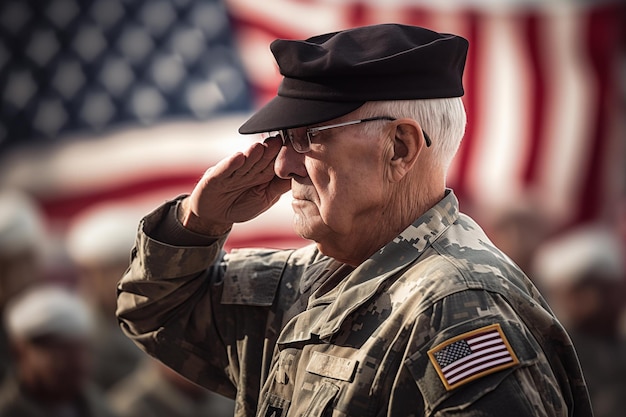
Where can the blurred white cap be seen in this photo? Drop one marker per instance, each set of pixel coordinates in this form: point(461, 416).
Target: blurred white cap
point(21, 223)
point(103, 235)
point(588, 250)
point(48, 310)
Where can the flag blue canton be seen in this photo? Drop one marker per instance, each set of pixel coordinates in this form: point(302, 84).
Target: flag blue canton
point(452, 353)
point(70, 66)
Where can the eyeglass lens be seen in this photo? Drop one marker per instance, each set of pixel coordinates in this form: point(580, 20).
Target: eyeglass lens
point(300, 143)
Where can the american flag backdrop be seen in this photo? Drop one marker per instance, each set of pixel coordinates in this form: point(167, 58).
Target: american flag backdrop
point(114, 102)
point(132, 100)
point(73, 66)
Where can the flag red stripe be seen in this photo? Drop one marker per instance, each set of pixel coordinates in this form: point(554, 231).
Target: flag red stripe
point(470, 99)
point(480, 368)
point(532, 23)
point(603, 37)
point(474, 358)
point(59, 208)
point(478, 360)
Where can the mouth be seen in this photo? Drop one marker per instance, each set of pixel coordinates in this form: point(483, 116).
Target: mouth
point(297, 203)
point(301, 189)
point(299, 194)
point(300, 198)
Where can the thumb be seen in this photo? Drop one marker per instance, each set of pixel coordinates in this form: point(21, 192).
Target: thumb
point(277, 187)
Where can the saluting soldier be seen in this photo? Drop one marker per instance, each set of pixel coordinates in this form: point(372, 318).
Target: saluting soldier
point(401, 306)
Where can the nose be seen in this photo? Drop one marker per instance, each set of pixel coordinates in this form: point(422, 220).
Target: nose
point(289, 163)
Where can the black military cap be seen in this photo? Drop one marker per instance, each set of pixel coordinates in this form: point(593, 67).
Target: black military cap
point(330, 75)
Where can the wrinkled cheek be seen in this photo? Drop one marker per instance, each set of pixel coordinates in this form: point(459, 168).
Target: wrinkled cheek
point(328, 216)
point(337, 211)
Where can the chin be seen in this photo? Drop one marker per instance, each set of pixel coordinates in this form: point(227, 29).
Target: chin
point(302, 226)
point(311, 226)
point(305, 234)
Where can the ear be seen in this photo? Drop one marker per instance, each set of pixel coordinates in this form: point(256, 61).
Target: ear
point(408, 141)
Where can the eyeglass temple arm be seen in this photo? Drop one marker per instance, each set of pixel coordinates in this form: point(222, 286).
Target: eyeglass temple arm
point(427, 138)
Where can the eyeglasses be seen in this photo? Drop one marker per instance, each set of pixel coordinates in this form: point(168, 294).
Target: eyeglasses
point(302, 143)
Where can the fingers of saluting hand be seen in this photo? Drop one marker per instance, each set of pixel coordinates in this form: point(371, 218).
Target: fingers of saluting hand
point(253, 166)
point(238, 188)
point(260, 157)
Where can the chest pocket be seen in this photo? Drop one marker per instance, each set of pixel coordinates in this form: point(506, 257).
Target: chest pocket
point(334, 371)
point(310, 395)
point(324, 396)
point(273, 406)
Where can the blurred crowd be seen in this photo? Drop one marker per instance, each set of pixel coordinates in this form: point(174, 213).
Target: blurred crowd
point(63, 354)
point(581, 271)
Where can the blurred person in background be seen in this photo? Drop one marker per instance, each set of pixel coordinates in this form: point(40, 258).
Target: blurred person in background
point(583, 275)
point(517, 227)
point(22, 234)
point(98, 243)
point(49, 329)
point(154, 390)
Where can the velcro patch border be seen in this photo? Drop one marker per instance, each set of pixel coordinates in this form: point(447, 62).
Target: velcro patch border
point(492, 353)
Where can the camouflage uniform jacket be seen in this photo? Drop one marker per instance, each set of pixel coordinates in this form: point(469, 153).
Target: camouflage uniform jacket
point(437, 323)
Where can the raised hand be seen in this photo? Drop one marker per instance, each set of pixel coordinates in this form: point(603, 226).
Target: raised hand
point(236, 189)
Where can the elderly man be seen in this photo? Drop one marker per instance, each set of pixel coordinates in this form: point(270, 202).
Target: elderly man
point(402, 306)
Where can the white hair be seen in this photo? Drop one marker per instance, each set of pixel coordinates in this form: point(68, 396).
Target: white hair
point(442, 119)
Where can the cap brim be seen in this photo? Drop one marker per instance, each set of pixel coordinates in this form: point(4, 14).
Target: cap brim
point(287, 113)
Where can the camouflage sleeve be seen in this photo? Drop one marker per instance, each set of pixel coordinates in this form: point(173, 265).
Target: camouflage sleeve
point(471, 354)
point(174, 304)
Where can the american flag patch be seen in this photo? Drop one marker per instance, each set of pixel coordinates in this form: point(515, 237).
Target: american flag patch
point(472, 355)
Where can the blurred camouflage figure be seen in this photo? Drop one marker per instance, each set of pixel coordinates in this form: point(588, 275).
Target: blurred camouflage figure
point(401, 307)
point(154, 390)
point(50, 329)
point(584, 278)
point(22, 235)
point(517, 227)
point(98, 243)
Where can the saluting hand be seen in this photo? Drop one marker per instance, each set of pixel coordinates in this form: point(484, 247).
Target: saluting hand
point(236, 189)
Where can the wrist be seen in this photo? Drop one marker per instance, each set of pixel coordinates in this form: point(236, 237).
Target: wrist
point(193, 223)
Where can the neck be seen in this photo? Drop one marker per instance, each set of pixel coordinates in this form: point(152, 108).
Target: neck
point(382, 227)
point(412, 197)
